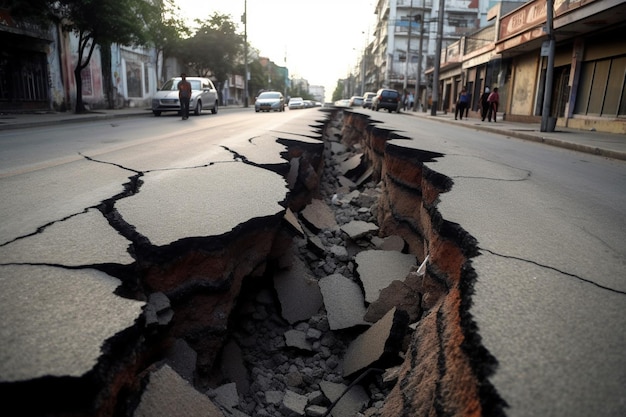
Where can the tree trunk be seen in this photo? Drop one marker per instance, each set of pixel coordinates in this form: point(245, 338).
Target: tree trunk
point(107, 76)
point(80, 106)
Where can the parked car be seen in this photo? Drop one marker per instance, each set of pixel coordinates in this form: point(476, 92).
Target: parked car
point(270, 101)
point(387, 99)
point(355, 101)
point(296, 103)
point(203, 96)
point(367, 99)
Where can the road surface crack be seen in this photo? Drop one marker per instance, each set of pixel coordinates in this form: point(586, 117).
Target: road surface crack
point(569, 274)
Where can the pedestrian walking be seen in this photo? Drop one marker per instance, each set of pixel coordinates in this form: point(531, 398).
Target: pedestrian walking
point(461, 104)
point(184, 95)
point(494, 101)
point(484, 104)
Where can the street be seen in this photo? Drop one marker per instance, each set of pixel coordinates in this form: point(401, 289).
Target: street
point(550, 294)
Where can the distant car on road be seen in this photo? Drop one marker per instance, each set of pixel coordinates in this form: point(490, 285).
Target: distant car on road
point(296, 103)
point(355, 101)
point(203, 96)
point(387, 99)
point(344, 102)
point(270, 101)
point(367, 99)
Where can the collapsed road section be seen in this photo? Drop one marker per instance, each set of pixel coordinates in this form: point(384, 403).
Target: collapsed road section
point(335, 288)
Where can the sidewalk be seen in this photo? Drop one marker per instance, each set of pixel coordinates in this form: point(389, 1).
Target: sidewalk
point(597, 143)
point(609, 145)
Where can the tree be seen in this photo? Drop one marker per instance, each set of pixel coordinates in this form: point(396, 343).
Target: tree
point(95, 22)
point(338, 93)
point(214, 49)
point(167, 32)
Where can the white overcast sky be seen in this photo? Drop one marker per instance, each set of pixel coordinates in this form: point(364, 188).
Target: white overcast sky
point(319, 40)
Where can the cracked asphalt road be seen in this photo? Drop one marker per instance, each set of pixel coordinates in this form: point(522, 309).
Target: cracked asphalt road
point(551, 290)
point(77, 198)
point(550, 295)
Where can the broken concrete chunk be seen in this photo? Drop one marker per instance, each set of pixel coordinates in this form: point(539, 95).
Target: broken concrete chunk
point(292, 220)
point(168, 395)
point(337, 148)
point(159, 301)
point(397, 294)
point(294, 169)
point(232, 366)
point(339, 252)
point(346, 182)
point(293, 404)
point(316, 411)
point(158, 311)
point(377, 269)
point(365, 176)
point(393, 242)
point(352, 401)
point(344, 302)
point(60, 320)
point(350, 164)
point(297, 339)
point(358, 228)
point(226, 395)
point(318, 216)
point(298, 292)
point(274, 397)
point(315, 245)
point(182, 359)
point(380, 344)
point(349, 198)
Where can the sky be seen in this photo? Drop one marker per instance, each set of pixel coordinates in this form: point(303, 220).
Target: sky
point(318, 40)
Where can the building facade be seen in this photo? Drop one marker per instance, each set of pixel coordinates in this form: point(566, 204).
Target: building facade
point(508, 51)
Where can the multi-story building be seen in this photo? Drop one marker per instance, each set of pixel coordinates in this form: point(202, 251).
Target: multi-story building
point(405, 40)
point(504, 44)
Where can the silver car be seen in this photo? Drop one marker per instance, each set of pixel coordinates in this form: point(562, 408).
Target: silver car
point(203, 96)
point(269, 101)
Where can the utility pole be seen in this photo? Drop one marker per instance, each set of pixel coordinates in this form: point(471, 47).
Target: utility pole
point(244, 18)
point(433, 109)
point(408, 50)
point(418, 77)
point(546, 126)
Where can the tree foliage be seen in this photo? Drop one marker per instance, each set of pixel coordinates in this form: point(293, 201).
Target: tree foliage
point(167, 32)
point(214, 49)
point(95, 22)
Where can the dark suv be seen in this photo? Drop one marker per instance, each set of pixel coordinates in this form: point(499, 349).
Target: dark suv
point(387, 99)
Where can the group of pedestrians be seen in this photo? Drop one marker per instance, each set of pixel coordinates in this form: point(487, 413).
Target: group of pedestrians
point(489, 102)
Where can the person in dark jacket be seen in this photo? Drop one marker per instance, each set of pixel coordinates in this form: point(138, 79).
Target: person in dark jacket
point(461, 104)
point(484, 104)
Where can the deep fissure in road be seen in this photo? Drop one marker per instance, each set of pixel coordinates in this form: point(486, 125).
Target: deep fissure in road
point(302, 312)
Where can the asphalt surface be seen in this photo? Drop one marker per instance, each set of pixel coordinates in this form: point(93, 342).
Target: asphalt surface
point(572, 364)
point(597, 143)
